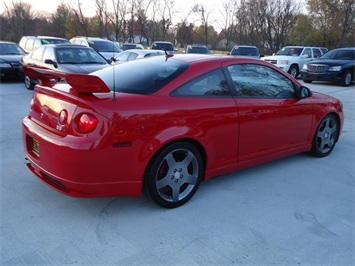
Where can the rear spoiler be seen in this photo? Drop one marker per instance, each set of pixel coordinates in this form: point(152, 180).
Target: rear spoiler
point(81, 83)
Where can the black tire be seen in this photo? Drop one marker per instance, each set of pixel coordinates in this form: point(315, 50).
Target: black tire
point(293, 71)
point(307, 81)
point(29, 84)
point(346, 79)
point(174, 175)
point(326, 136)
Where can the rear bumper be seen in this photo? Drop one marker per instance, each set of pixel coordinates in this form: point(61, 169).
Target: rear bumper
point(80, 167)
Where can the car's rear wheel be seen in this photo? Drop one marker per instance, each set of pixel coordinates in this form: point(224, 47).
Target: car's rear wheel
point(326, 136)
point(293, 71)
point(346, 79)
point(29, 84)
point(174, 175)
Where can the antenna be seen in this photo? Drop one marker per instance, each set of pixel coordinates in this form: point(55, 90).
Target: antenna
point(113, 72)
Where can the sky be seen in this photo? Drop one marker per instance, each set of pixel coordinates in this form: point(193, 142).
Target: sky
point(182, 7)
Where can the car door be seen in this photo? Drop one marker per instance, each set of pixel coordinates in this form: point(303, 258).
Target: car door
point(271, 118)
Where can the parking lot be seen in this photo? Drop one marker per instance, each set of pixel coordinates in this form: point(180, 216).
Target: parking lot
point(295, 211)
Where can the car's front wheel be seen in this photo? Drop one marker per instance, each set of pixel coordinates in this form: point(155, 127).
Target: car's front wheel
point(326, 136)
point(346, 79)
point(293, 71)
point(29, 84)
point(174, 175)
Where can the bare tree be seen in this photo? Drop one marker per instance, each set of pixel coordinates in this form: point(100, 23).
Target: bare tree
point(81, 21)
point(204, 18)
point(274, 20)
point(20, 20)
point(228, 23)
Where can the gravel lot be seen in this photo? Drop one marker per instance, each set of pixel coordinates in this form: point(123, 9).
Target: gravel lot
point(294, 211)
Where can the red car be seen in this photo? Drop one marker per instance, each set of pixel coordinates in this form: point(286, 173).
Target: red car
point(166, 123)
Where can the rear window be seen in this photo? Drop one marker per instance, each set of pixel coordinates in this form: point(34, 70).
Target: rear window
point(249, 51)
point(163, 46)
point(142, 76)
point(103, 46)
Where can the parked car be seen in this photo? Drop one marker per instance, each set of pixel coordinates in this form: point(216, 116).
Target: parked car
point(292, 58)
point(133, 54)
point(106, 48)
point(336, 66)
point(128, 46)
point(165, 123)
point(197, 49)
point(245, 50)
point(68, 58)
point(10, 60)
point(165, 46)
point(30, 43)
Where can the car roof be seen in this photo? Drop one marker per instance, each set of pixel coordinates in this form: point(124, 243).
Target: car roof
point(251, 46)
point(66, 45)
point(8, 42)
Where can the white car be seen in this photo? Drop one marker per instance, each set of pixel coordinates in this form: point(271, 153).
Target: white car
point(292, 58)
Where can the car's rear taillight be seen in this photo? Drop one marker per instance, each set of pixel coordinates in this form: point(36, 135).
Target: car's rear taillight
point(63, 117)
point(87, 123)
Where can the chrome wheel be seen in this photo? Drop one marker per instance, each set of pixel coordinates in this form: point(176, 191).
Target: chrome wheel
point(175, 175)
point(326, 136)
point(347, 79)
point(293, 71)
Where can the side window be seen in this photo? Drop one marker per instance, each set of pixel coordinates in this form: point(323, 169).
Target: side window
point(37, 54)
point(210, 84)
point(308, 52)
point(316, 52)
point(37, 43)
point(252, 80)
point(48, 54)
point(132, 56)
point(29, 44)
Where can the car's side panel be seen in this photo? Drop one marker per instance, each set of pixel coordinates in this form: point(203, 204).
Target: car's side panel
point(268, 126)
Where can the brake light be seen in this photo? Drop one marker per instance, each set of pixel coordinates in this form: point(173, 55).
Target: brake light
point(87, 123)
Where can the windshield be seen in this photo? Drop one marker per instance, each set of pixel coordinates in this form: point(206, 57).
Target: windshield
point(142, 76)
point(291, 51)
point(10, 49)
point(104, 46)
point(340, 54)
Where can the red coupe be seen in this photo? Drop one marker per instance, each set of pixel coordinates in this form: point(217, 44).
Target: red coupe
point(166, 123)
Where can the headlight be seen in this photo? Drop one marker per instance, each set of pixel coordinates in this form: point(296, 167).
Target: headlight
point(335, 68)
point(5, 65)
point(305, 67)
point(282, 62)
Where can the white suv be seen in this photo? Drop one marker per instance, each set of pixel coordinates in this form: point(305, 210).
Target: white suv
point(292, 58)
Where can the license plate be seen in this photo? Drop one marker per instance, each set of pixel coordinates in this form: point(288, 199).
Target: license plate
point(35, 147)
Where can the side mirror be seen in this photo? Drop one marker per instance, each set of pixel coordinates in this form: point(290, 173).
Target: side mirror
point(51, 62)
point(304, 92)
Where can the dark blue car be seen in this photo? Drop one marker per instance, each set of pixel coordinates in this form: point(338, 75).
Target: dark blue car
point(10, 60)
point(336, 66)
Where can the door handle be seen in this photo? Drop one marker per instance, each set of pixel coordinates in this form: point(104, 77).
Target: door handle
point(253, 114)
